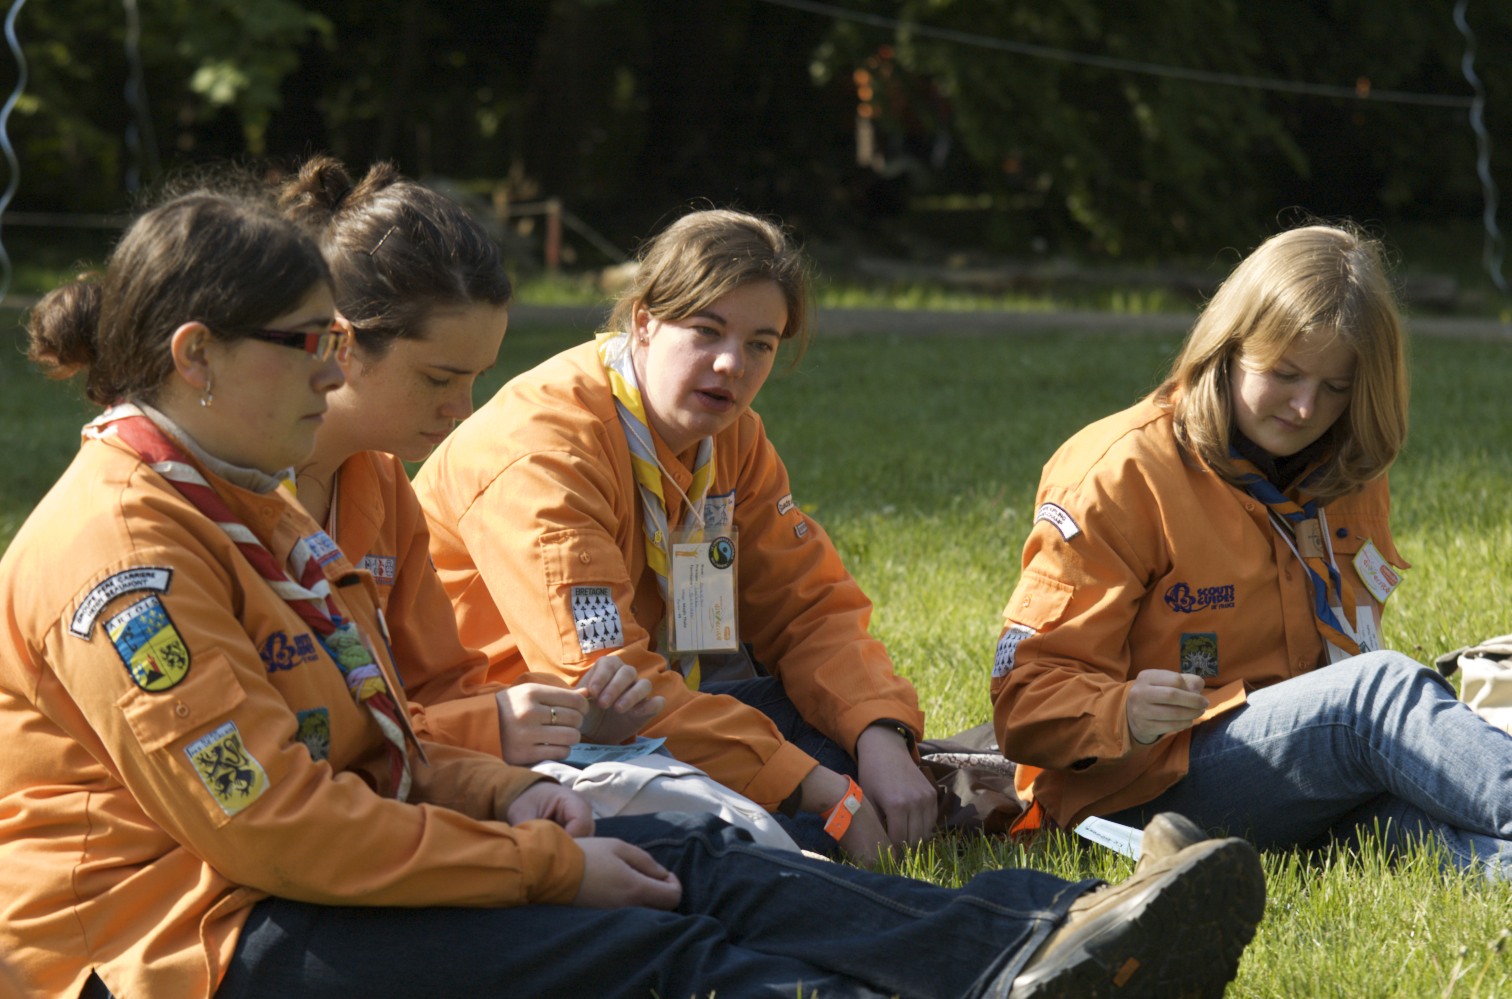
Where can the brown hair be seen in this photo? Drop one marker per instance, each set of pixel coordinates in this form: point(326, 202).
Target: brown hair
point(708, 254)
point(1315, 283)
point(229, 262)
point(399, 252)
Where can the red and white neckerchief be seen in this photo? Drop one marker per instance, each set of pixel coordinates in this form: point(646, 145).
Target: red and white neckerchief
point(309, 596)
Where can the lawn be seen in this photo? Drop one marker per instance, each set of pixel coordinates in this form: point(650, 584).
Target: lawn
point(920, 455)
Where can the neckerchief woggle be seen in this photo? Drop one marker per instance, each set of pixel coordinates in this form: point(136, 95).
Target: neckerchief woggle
point(310, 597)
point(614, 353)
point(1295, 517)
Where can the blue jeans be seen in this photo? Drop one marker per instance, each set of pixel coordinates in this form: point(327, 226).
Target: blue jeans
point(765, 694)
point(1376, 741)
point(752, 922)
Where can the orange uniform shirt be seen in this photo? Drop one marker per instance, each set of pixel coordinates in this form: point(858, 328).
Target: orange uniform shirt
point(379, 525)
point(536, 533)
point(1141, 557)
point(178, 747)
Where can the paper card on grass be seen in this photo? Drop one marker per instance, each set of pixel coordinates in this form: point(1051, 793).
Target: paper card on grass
point(1122, 839)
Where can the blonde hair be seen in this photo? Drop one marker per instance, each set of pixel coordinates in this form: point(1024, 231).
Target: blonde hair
point(1312, 284)
point(704, 256)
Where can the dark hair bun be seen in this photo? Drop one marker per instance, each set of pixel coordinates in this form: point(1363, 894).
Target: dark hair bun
point(62, 328)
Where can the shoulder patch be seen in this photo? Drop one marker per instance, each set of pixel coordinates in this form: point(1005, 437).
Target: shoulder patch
point(382, 568)
point(1007, 647)
point(1057, 518)
point(315, 732)
point(149, 645)
point(281, 651)
point(147, 577)
point(597, 619)
point(230, 773)
point(785, 505)
point(800, 529)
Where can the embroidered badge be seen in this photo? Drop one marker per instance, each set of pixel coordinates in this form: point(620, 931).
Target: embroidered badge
point(800, 529)
point(315, 732)
point(597, 619)
point(381, 566)
point(152, 578)
point(149, 645)
point(1007, 648)
point(719, 511)
point(232, 775)
point(1182, 600)
point(280, 652)
point(721, 553)
point(1199, 653)
point(1058, 519)
point(786, 505)
point(1379, 576)
point(322, 549)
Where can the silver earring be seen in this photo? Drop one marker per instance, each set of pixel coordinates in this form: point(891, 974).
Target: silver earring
point(209, 394)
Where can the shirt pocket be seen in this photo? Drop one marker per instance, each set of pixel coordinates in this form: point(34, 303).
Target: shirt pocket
point(209, 692)
point(1039, 601)
point(585, 579)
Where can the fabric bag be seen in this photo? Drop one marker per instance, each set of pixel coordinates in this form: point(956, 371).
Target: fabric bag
point(1485, 678)
point(659, 783)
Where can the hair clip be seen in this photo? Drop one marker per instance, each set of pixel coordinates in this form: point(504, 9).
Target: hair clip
point(380, 243)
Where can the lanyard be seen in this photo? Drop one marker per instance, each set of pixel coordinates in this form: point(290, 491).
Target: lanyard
point(614, 353)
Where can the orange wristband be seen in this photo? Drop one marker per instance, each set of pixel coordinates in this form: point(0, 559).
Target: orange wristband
point(838, 819)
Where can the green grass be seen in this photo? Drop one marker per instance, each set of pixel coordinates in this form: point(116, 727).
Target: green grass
point(920, 455)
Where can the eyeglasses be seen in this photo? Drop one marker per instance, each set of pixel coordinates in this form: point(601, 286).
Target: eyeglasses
point(322, 345)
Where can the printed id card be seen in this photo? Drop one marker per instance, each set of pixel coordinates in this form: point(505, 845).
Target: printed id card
point(702, 587)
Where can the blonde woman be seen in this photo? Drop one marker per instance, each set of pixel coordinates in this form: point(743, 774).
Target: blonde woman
point(1197, 625)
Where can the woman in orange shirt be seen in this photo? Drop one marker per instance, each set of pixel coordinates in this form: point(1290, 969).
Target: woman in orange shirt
point(623, 499)
point(1197, 626)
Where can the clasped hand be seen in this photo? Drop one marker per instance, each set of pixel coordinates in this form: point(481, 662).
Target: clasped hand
point(541, 721)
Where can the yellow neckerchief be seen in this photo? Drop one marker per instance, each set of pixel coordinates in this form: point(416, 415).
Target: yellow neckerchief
point(614, 353)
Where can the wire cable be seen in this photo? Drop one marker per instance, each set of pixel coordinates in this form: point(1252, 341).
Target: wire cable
point(1127, 65)
point(139, 135)
point(5, 144)
point(1491, 253)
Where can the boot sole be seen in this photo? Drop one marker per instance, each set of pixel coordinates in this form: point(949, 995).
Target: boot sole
point(1182, 940)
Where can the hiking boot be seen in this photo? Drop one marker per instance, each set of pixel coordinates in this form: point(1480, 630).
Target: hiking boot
point(1174, 930)
point(1167, 833)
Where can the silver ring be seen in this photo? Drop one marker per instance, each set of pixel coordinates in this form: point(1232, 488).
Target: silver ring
point(553, 715)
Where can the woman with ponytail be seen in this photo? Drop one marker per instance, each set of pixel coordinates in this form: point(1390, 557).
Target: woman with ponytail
point(422, 295)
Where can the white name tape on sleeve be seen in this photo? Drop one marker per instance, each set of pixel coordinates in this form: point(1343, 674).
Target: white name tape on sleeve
point(1057, 518)
point(146, 577)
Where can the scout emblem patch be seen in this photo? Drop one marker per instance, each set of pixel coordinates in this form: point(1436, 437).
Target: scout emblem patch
point(149, 645)
point(381, 566)
point(597, 619)
point(719, 511)
point(323, 548)
point(280, 652)
point(1007, 647)
point(1199, 653)
point(786, 505)
point(315, 732)
point(232, 775)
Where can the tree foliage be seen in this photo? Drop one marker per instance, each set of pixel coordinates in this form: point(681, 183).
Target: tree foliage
point(629, 108)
